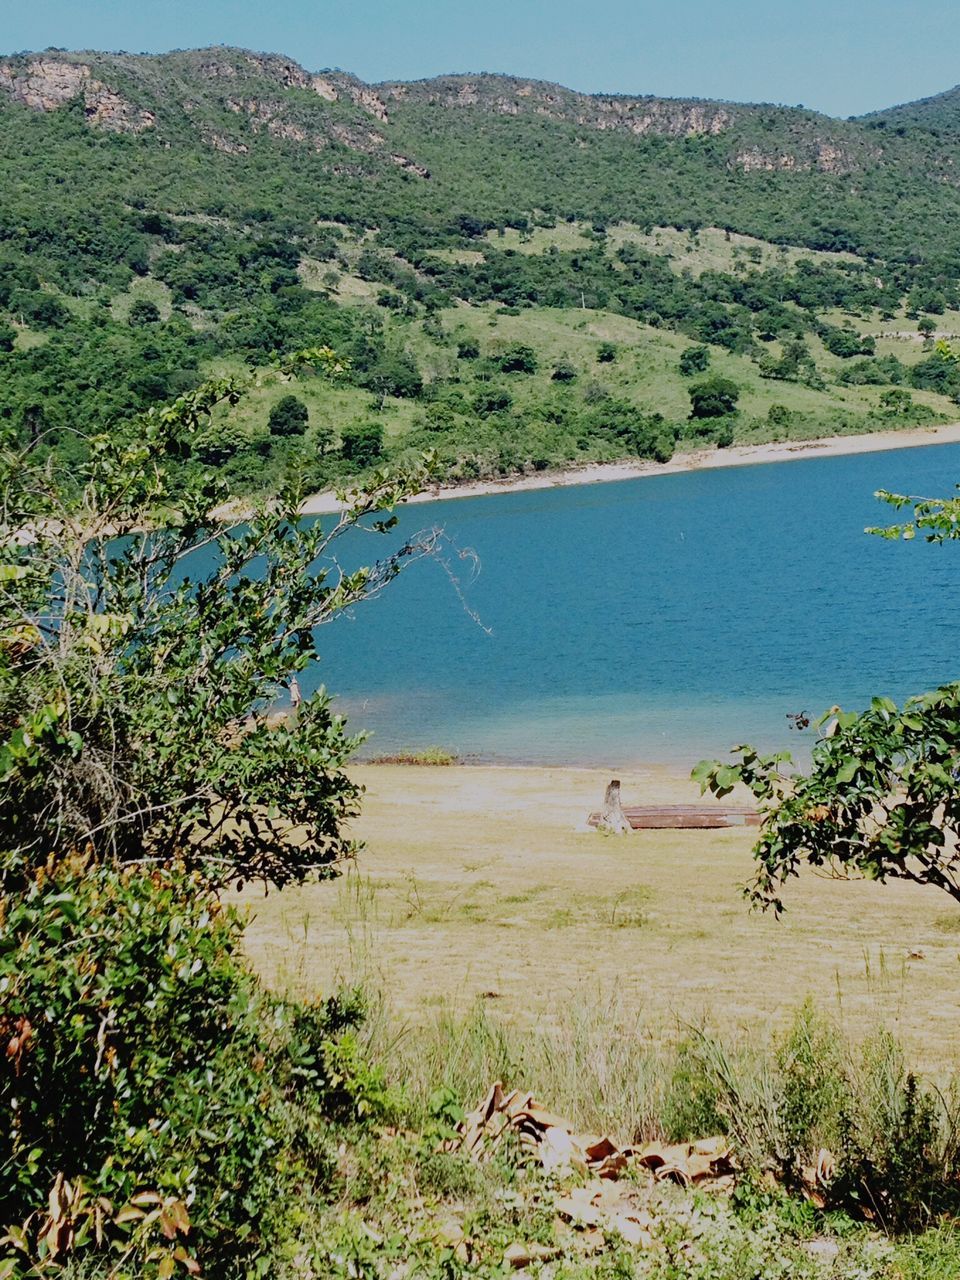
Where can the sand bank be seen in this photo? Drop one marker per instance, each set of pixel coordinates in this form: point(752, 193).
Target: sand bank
point(742, 455)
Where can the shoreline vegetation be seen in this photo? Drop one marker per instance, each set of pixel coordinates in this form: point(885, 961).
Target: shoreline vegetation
point(743, 455)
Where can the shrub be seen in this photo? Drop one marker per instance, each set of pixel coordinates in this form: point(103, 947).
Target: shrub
point(517, 359)
point(713, 398)
point(141, 731)
point(362, 444)
point(606, 353)
point(42, 310)
point(898, 1159)
point(694, 360)
point(151, 1069)
point(392, 374)
point(492, 400)
point(563, 371)
point(143, 312)
point(288, 417)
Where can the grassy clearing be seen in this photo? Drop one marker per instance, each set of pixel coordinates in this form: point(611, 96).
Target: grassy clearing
point(712, 249)
point(143, 289)
point(646, 372)
point(483, 884)
point(329, 404)
point(709, 249)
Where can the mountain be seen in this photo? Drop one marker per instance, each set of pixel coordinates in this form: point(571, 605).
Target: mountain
point(490, 146)
point(167, 215)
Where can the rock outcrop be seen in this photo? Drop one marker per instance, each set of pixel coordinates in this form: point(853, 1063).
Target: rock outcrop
point(503, 96)
point(47, 83)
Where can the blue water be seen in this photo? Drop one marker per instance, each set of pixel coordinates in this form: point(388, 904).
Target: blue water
point(659, 619)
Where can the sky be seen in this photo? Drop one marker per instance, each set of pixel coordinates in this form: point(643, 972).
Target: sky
point(844, 57)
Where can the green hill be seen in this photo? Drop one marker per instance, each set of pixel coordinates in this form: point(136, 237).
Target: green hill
point(166, 216)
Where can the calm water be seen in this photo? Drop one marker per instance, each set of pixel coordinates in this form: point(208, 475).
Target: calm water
point(654, 620)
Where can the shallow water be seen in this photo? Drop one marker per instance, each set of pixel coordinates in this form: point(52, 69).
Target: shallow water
point(658, 619)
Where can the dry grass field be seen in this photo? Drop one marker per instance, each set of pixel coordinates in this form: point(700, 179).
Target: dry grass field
point(484, 884)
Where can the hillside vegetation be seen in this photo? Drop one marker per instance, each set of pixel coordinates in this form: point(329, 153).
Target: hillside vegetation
point(518, 276)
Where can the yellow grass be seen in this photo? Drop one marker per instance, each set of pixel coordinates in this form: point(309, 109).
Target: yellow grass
point(483, 883)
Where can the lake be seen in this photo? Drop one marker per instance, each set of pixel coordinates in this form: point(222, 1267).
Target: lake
point(653, 620)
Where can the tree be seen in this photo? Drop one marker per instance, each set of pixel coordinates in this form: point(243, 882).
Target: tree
point(393, 374)
point(713, 398)
point(43, 310)
point(646, 435)
point(517, 359)
point(143, 312)
point(694, 360)
point(896, 401)
point(288, 417)
point(564, 371)
point(8, 335)
point(323, 438)
point(881, 799)
point(468, 349)
point(606, 353)
point(138, 671)
point(362, 444)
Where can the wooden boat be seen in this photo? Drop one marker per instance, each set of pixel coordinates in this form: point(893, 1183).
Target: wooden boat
point(682, 817)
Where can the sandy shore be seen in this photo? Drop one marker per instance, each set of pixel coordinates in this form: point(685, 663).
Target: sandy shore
point(742, 455)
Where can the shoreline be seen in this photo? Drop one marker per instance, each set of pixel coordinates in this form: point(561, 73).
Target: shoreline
point(742, 455)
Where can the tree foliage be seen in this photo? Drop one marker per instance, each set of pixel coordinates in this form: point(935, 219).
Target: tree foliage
point(882, 796)
point(288, 417)
point(713, 398)
point(143, 650)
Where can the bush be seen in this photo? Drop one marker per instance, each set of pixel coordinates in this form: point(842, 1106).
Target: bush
point(492, 400)
point(142, 732)
point(898, 1160)
point(42, 310)
point(713, 398)
point(606, 353)
point(846, 343)
point(149, 1067)
point(392, 374)
point(288, 417)
point(517, 359)
point(563, 371)
point(362, 444)
point(694, 360)
point(143, 312)
point(646, 435)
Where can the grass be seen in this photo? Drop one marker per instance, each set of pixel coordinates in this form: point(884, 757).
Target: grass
point(646, 372)
point(709, 249)
point(624, 982)
point(712, 249)
point(428, 756)
point(145, 289)
point(518, 897)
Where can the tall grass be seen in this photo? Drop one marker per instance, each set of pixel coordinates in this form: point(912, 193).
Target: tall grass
point(781, 1099)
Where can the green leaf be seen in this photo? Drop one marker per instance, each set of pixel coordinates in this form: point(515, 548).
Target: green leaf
point(848, 771)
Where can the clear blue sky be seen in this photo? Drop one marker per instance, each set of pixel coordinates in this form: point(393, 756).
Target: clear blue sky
point(839, 56)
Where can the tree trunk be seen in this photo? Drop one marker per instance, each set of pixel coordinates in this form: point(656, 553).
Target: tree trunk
point(612, 817)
